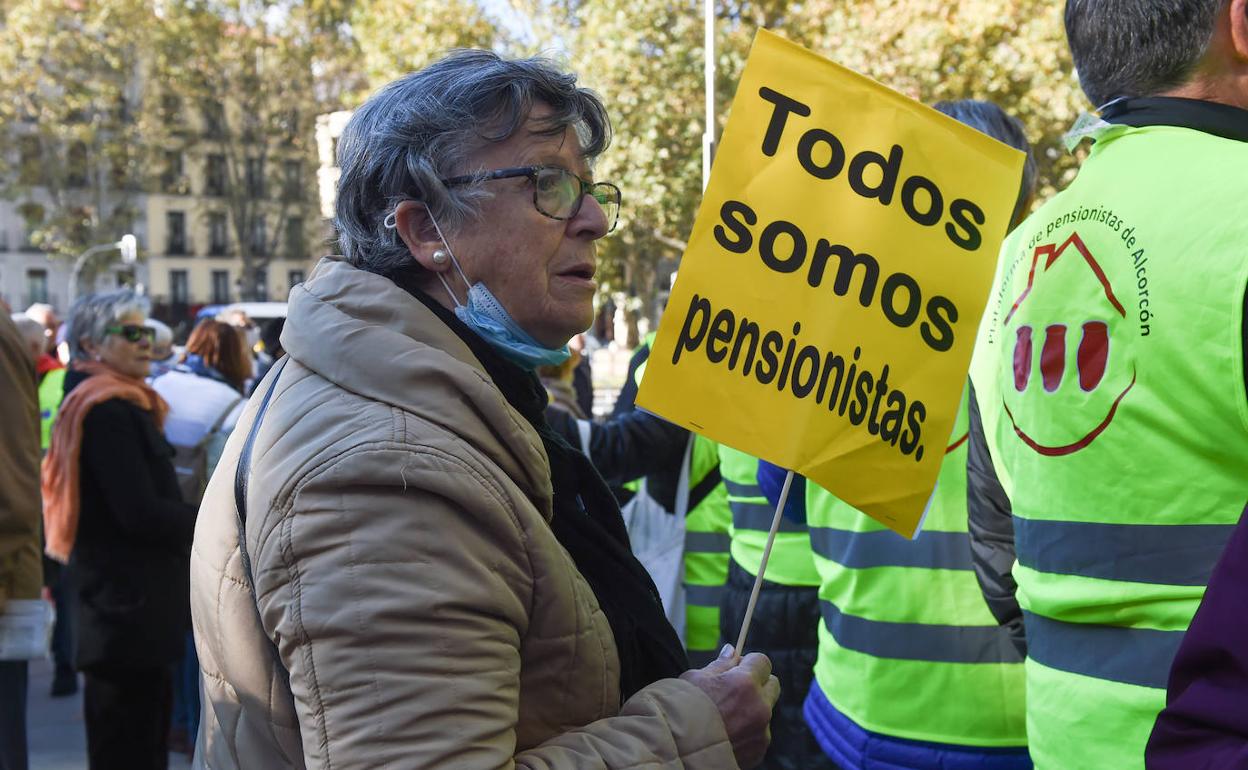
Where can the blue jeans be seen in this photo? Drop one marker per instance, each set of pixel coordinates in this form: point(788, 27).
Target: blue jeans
point(186, 690)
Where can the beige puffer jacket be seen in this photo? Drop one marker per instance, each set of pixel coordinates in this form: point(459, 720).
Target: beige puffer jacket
point(398, 524)
point(21, 568)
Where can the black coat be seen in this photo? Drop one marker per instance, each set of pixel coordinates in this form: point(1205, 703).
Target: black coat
point(131, 557)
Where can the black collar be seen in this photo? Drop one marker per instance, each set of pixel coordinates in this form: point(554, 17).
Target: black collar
point(522, 388)
point(1208, 117)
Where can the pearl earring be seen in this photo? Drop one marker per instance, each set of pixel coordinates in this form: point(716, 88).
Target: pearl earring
point(439, 257)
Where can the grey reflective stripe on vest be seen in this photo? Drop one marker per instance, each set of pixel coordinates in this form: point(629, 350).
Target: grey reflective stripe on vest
point(1139, 656)
point(737, 489)
point(885, 548)
point(707, 542)
point(703, 596)
point(919, 641)
point(759, 516)
point(1179, 555)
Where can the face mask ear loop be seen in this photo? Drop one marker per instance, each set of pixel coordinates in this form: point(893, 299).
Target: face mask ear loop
point(454, 262)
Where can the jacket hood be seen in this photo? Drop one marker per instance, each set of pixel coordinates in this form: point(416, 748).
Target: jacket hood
point(368, 336)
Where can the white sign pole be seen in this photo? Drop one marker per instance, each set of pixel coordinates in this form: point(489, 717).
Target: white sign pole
point(708, 52)
point(762, 567)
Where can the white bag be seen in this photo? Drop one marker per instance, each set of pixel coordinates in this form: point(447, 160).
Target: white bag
point(26, 629)
point(658, 540)
point(658, 537)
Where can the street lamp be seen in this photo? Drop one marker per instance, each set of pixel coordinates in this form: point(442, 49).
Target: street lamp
point(128, 246)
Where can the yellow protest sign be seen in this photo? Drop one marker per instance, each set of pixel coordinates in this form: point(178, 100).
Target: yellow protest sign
point(825, 309)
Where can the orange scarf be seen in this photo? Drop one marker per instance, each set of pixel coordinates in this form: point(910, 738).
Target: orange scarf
point(61, 466)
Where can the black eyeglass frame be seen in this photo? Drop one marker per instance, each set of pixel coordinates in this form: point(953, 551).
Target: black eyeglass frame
point(531, 172)
point(132, 333)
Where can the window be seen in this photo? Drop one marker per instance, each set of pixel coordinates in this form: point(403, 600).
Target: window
point(215, 176)
point(179, 287)
point(76, 166)
point(172, 180)
point(4, 240)
point(286, 123)
point(30, 170)
point(294, 278)
point(255, 177)
point(171, 109)
point(333, 150)
point(257, 243)
point(121, 110)
point(175, 232)
point(294, 238)
point(119, 172)
point(262, 285)
point(218, 234)
point(292, 185)
point(214, 118)
point(36, 286)
point(220, 287)
point(32, 216)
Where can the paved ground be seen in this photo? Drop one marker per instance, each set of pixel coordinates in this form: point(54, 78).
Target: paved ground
point(58, 739)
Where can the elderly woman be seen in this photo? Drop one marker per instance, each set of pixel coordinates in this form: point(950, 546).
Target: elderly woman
point(112, 509)
point(429, 577)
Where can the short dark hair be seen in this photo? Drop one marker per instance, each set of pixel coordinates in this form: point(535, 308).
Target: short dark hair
point(1131, 48)
point(988, 118)
point(426, 125)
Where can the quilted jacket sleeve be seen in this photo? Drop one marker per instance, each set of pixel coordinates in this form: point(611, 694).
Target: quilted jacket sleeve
point(399, 588)
point(20, 567)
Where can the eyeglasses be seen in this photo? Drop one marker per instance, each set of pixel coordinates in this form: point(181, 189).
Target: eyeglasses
point(133, 332)
point(557, 192)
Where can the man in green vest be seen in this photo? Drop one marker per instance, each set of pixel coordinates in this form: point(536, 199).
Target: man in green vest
point(913, 671)
point(51, 392)
point(787, 612)
point(1109, 423)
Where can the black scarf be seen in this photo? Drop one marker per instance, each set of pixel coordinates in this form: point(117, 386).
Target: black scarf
point(586, 522)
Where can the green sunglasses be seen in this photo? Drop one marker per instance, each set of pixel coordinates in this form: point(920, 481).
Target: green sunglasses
point(133, 332)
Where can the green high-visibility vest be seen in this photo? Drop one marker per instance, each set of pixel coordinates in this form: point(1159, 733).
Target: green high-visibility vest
point(51, 393)
point(907, 645)
point(790, 563)
point(706, 553)
point(1109, 375)
point(706, 545)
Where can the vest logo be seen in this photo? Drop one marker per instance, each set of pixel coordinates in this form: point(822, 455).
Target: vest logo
point(1054, 339)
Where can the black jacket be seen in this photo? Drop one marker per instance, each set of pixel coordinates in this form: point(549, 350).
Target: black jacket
point(131, 557)
point(631, 444)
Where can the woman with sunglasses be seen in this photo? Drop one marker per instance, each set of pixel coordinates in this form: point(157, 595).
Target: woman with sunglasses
point(430, 577)
point(114, 513)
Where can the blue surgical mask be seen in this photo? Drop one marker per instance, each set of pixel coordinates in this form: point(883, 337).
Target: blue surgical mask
point(486, 316)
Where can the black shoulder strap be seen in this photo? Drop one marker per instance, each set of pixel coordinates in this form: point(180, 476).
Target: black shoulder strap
point(241, 474)
point(704, 487)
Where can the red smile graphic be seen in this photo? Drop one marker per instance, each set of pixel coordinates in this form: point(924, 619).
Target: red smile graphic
point(1067, 449)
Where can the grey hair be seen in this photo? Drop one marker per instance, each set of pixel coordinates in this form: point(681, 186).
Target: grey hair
point(1132, 48)
point(91, 314)
point(988, 118)
point(31, 330)
point(426, 126)
point(39, 311)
